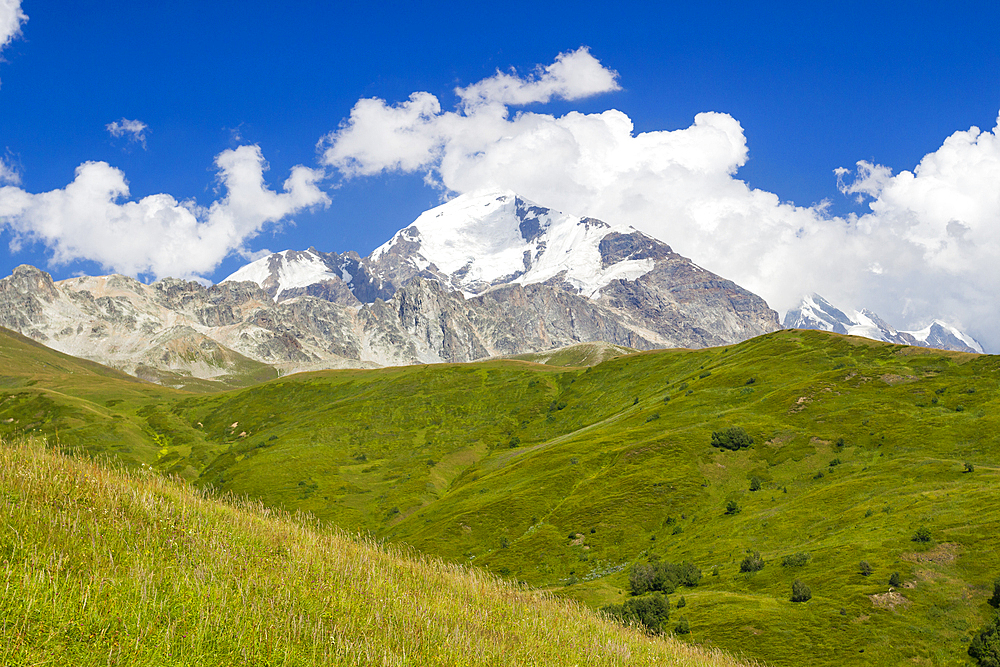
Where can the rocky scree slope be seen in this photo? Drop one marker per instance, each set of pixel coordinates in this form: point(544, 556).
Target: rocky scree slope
point(480, 276)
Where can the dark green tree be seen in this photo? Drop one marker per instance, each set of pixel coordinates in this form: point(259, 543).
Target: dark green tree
point(683, 627)
point(650, 611)
point(732, 507)
point(894, 579)
point(995, 600)
point(755, 483)
point(795, 560)
point(923, 534)
point(662, 576)
point(985, 646)
point(800, 592)
point(865, 569)
point(752, 562)
point(733, 437)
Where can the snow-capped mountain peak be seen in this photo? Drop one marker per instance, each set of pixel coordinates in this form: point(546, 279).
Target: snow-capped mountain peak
point(815, 312)
point(495, 237)
point(289, 269)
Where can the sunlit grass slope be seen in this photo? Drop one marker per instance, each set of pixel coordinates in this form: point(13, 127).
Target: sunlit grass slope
point(105, 567)
point(88, 407)
point(613, 465)
point(564, 477)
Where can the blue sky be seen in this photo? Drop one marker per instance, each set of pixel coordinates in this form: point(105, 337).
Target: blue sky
point(812, 89)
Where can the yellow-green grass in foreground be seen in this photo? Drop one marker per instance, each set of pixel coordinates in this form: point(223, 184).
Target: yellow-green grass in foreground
point(112, 567)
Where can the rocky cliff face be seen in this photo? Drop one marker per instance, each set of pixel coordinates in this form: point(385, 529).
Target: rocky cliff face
point(487, 276)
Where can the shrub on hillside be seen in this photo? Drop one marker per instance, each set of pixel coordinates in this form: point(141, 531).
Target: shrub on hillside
point(922, 535)
point(683, 627)
point(865, 569)
point(795, 560)
point(732, 438)
point(651, 612)
point(995, 600)
point(895, 580)
point(732, 507)
point(969, 467)
point(752, 562)
point(985, 646)
point(755, 483)
point(800, 592)
point(662, 576)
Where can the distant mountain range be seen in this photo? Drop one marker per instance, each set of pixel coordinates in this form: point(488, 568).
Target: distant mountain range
point(815, 312)
point(479, 276)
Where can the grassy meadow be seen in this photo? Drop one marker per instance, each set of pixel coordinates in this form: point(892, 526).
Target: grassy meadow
point(564, 477)
point(103, 566)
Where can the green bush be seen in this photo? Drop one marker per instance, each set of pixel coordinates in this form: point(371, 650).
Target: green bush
point(985, 646)
point(995, 600)
point(969, 467)
point(683, 627)
point(923, 535)
point(755, 483)
point(894, 579)
point(732, 438)
point(732, 507)
point(800, 592)
point(662, 576)
point(795, 560)
point(752, 562)
point(682, 602)
point(865, 569)
point(651, 612)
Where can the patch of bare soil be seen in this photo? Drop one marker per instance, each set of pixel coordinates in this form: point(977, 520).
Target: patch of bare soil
point(893, 379)
point(891, 601)
point(800, 404)
point(946, 552)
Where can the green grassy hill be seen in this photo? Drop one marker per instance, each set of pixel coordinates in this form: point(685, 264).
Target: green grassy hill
point(565, 477)
point(103, 567)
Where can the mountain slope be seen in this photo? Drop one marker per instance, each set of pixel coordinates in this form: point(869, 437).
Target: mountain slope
point(815, 312)
point(107, 568)
point(567, 477)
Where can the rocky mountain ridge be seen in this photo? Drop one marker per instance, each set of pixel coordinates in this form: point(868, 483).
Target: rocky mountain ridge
point(443, 289)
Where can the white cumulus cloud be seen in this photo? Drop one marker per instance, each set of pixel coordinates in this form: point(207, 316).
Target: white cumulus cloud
point(135, 129)
point(92, 218)
point(930, 247)
point(12, 17)
point(8, 175)
point(416, 134)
